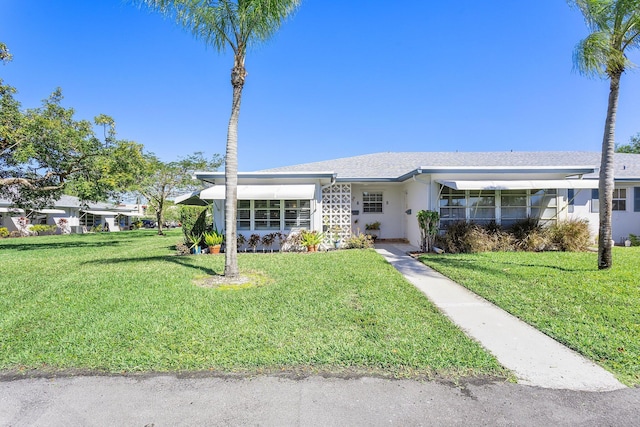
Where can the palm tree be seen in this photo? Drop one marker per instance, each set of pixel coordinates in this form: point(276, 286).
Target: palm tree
point(615, 29)
point(234, 24)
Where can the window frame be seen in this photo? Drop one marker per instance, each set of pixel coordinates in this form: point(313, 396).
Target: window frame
point(277, 211)
point(619, 201)
point(371, 204)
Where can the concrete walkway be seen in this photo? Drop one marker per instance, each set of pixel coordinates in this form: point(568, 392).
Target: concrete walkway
point(535, 358)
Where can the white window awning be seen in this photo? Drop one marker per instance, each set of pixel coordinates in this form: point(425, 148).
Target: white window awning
point(51, 211)
point(520, 184)
point(263, 192)
point(11, 210)
point(192, 198)
point(102, 213)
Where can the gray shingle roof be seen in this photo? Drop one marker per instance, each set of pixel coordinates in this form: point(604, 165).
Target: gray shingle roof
point(394, 165)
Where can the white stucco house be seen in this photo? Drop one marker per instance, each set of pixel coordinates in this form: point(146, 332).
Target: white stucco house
point(390, 188)
point(79, 217)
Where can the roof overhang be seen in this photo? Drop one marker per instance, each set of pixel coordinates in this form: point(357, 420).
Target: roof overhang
point(519, 184)
point(564, 170)
point(263, 192)
point(218, 177)
point(11, 210)
point(51, 211)
point(102, 213)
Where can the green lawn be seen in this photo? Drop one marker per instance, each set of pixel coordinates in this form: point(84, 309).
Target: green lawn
point(597, 313)
point(123, 302)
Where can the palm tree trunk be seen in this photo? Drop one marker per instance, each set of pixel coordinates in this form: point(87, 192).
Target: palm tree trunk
point(606, 184)
point(231, 174)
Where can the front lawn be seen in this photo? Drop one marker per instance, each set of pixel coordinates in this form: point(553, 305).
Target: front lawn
point(123, 302)
point(597, 313)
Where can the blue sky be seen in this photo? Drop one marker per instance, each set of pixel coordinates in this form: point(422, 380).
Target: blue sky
point(342, 78)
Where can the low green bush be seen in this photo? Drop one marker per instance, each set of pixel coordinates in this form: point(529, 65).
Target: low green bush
point(4, 232)
point(635, 240)
point(41, 229)
point(359, 241)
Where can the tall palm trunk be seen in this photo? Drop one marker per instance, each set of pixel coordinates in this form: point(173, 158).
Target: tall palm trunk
point(238, 75)
point(606, 184)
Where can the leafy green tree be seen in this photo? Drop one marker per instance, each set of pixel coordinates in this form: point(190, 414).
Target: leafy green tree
point(5, 55)
point(160, 180)
point(45, 151)
point(615, 27)
point(633, 147)
point(237, 25)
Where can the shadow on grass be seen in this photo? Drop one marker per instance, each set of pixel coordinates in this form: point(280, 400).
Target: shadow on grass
point(40, 245)
point(183, 261)
point(71, 241)
point(497, 267)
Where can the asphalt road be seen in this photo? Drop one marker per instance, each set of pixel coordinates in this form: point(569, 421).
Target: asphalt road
point(312, 401)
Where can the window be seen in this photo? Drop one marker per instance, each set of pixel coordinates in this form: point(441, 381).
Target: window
point(267, 214)
point(482, 207)
point(636, 199)
point(371, 202)
point(244, 215)
point(514, 206)
point(571, 196)
point(619, 200)
point(452, 206)
point(504, 206)
point(297, 214)
point(544, 204)
point(273, 214)
point(89, 220)
point(595, 201)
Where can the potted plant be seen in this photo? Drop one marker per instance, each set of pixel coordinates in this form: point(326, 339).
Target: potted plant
point(311, 239)
point(194, 240)
point(213, 240)
point(372, 229)
point(335, 236)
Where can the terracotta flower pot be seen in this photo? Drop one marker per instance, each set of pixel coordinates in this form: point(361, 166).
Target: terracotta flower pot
point(214, 249)
point(313, 248)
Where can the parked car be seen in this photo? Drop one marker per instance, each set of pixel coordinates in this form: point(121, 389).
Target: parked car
point(148, 223)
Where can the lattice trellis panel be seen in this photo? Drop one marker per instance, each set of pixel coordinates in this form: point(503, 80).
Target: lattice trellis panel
point(336, 210)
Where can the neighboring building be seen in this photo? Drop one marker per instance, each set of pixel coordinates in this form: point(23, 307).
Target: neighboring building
point(79, 218)
point(346, 194)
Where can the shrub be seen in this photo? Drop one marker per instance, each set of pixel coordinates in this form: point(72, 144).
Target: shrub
point(458, 238)
point(42, 229)
point(290, 243)
point(359, 241)
point(635, 240)
point(193, 220)
point(254, 241)
point(4, 232)
point(240, 240)
point(571, 235)
point(528, 235)
point(268, 239)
